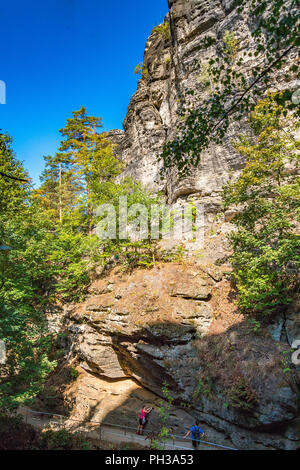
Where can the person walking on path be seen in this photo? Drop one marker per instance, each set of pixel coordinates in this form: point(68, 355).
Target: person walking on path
point(143, 419)
point(196, 432)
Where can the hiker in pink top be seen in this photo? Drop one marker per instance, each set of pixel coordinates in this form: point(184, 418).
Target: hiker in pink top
point(143, 419)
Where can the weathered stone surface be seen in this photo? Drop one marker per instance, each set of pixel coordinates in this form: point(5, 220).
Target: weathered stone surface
point(173, 68)
point(152, 337)
point(275, 328)
point(212, 271)
point(99, 357)
point(200, 316)
point(292, 323)
point(191, 291)
point(200, 310)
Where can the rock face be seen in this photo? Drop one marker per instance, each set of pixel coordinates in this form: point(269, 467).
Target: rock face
point(149, 328)
point(127, 326)
point(175, 65)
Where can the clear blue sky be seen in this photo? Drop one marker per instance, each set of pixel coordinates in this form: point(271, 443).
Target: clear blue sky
point(58, 55)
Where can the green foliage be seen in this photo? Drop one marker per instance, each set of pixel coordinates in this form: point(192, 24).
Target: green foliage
point(286, 362)
point(205, 77)
point(142, 70)
point(255, 325)
point(203, 388)
point(175, 255)
point(158, 440)
point(71, 257)
point(22, 274)
point(60, 188)
point(242, 396)
point(85, 167)
point(266, 241)
point(131, 253)
point(274, 28)
point(63, 440)
point(91, 157)
point(74, 373)
point(231, 45)
point(163, 30)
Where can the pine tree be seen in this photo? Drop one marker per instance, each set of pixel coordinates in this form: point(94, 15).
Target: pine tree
point(58, 194)
point(82, 147)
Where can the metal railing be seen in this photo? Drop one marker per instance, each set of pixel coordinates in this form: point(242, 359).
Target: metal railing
point(62, 418)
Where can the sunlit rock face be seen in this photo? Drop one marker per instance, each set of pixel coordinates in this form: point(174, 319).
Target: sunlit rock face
point(164, 326)
point(174, 66)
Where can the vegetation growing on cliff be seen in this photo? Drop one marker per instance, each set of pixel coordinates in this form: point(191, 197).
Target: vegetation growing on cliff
point(274, 27)
point(163, 30)
point(159, 439)
point(231, 45)
point(266, 246)
point(142, 70)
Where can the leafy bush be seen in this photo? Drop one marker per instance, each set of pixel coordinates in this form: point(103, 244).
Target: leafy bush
point(231, 45)
point(63, 440)
point(266, 246)
point(74, 373)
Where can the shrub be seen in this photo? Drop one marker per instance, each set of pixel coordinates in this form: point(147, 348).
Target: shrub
point(266, 240)
point(74, 373)
point(163, 30)
point(141, 70)
point(231, 46)
point(205, 77)
point(63, 440)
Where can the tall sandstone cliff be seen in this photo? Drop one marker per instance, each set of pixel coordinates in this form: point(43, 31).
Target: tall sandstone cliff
point(174, 66)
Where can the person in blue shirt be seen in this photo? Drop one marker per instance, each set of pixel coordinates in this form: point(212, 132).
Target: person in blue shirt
point(196, 433)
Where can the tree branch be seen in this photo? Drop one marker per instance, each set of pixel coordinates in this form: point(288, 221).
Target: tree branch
point(4, 175)
point(252, 85)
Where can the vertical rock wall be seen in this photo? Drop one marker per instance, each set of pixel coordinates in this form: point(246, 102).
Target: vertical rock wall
point(175, 65)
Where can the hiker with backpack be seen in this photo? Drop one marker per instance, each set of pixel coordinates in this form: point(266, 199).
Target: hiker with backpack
point(196, 433)
point(143, 419)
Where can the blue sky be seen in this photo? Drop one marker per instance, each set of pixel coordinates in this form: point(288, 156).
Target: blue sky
point(58, 55)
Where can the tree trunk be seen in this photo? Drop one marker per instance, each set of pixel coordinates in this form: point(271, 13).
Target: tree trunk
point(60, 198)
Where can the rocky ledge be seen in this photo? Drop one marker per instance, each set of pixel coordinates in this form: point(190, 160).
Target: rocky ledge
point(178, 325)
